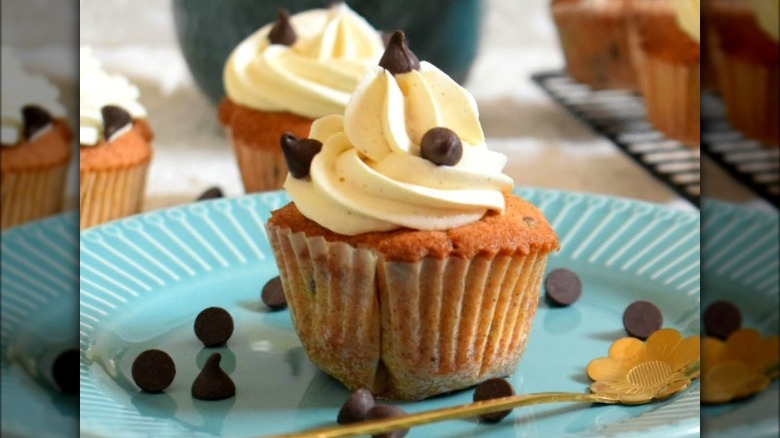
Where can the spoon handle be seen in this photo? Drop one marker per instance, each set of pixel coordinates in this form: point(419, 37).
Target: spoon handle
point(374, 427)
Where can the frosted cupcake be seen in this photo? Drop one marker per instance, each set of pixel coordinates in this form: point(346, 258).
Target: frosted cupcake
point(36, 146)
point(408, 267)
point(284, 76)
point(115, 145)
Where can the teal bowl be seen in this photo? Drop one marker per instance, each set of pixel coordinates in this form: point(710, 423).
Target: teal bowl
point(443, 32)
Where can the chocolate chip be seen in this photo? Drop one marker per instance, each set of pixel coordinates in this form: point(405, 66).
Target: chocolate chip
point(212, 383)
point(641, 319)
point(211, 193)
point(273, 294)
point(441, 146)
point(65, 371)
point(490, 389)
point(213, 326)
point(153, 370)
point(114, 119)
point(562, 287)
point(722, 318)
point(35, 119)
point(356, 407)
point(298, 153)
point(282, 31)
point(398, 58)
point(387, 411)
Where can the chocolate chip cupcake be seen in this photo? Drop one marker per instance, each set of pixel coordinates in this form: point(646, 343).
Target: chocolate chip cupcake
point(115, 144)
point(36, 147)
point(408, 267)
point(287, 74)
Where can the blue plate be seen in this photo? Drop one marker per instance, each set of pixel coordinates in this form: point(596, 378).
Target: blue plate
point(39, 320)
point(740, 265)
point(144, 279)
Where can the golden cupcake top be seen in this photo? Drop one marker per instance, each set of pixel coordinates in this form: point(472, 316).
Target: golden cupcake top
point(306, 64)
point(408, 152)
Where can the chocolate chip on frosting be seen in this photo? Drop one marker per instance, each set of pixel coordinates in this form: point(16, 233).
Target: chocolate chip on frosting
point(298, 153)
point(35, 119)
point(397, 58)
point(114, 120)
point(282, 31)
point(212, 383)
point(441, 146)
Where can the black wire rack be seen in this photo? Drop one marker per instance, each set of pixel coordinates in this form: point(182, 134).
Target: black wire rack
point(619, 115)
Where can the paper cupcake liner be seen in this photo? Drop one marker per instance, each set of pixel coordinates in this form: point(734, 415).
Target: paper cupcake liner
point(672, 96)
point(111, 194)
point(407, 331)
point(262, 168)
point(30, 195)
point(750, 94)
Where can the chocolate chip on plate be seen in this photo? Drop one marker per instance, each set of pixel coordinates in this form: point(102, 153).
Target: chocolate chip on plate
point(212, 383)
point(722, 318)
point(210, 193)
point(356, 407)
point(441, 146)
point(114, 119)
point(387, 411)
point(213, 326)
point(273, 294)
point(397, 58)
point(298, 153)
point(35, 119)
point(562, 287)
point(282, 31)
point(490, 389)
point(641, 319)
point(153, 370)
point(65, 371)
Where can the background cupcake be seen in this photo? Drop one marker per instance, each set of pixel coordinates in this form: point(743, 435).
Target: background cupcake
point(287, 74)
point(408, 268)
point(115, 145)
point(36, 146)
point(594, 38)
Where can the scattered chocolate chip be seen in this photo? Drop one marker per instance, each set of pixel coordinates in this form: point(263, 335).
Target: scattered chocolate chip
point(490, 389)
point(153, 370)
point(213, 326)
point(387, 411)
point(114, 119)
point(441, 146)
point(35, 119)
point(273, 294)
point(212, 383)
point(298, 153)
point(641, 319)
point(562, 287)
point(722, 318)
point(282, 31)
point(397, 58)
point(356, 407)
point(65, 371)
point(211, 193)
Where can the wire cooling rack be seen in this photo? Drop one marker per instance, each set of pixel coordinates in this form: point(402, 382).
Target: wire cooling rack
point(619, 115)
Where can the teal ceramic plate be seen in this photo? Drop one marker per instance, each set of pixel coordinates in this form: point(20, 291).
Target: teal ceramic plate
point(39, 320)
point(144, 279)
point(740, 265)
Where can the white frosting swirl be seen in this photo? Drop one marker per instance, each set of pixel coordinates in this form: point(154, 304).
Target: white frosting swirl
point(369, 175)
point(312, 78)
point(98, 89)
point(687, 13)
point(20, 89)
point(768, 17)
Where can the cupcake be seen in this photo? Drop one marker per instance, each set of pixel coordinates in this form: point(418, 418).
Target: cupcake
point(409, 268)
point(594, 39)
point(115, 145)
point(749, 76)
point(668, 34)
point(36, 148)
point(284, 76)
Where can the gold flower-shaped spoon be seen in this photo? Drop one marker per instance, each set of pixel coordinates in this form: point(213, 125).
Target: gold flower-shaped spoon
point(635, 373)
